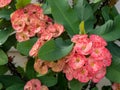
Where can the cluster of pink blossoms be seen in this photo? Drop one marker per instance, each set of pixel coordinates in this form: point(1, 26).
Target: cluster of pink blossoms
point(4, 3)
point(30, 21)
point(88, 59)
point(116, 86)
point(35, 84)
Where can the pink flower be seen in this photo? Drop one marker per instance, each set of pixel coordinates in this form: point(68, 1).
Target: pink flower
point(68, 72)
point(81, 74)
point(107, 60)
point(83, 48)
point(33, 84)
point(43, 87)
point(97, 41)
point(34, 10)
point(99, 75)
point(97, 53)
point(40, 66)
point(59, 29)
point(80, 38)
point(36, 47)
point(22, 36)
point(116, 86)
point(93, 65)
point(76, 61)
point(18, 19)
point(4, 3)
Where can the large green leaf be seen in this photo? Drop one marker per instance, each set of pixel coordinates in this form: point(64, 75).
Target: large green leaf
point(16, 87)
point(22, 3)
point(113, 72)
point(49, 79)
point(25, 47)
point(76, 85)
point(1, 86)
point(30, 72)
point(5, 13)
point(3, 57)
point(54, 50)
point(3, 69)
point(8, 80)
point(64, 14)
point(104, 29)
point(4, 34)
point(115, 32)
point(110, 31)
point(85, 13)
point(109, 12)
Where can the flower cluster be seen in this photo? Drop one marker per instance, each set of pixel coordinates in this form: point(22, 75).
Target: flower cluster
point(34, 84)
point(88, 59)
point(4, 3)
point(116, 86)
point(30, 21)
point(42, 67)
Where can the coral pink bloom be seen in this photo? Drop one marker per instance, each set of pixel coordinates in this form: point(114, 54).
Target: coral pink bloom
point(35, 10)
point(83, 48)
point(68, 72)
point(59, 29)
point(4, 3)
point(97, 53)
point(40, 66)
point(43, 87)
point(18, 19)
point(33, 84)
point(76, 61)
point(81, 74)
point(93, 65)
point(107, 60)
point(46, 36)
point(36, 47)
point(97, 41)
point(22, 36)
point(80, 38)
point(99, 75)
point(116, 86)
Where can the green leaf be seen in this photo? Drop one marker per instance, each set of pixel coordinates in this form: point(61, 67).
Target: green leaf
point(3, 57)
point(30, 72)
point(85, 13)
point(25, 47)
point(113, 72)
point(8, 44)
point(104, 29)
point(109, 12)
point(16, 87)
point(3, 69)
point(54, 50)
point(5, 13)
point(110, 30)
point(4, 34)
point(49, 79)
point(76, 85)
point(64, 14)
point(8, 80)
point(22, 3)
point(95, 1)
point(1, 86)
point(46, 8)
point(95, 88)
point(115, 32)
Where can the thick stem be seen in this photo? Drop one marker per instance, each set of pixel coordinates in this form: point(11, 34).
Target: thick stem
point(12, 67)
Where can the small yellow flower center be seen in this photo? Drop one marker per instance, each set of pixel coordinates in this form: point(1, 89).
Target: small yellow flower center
point(97, 51)
point(78, 60)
